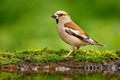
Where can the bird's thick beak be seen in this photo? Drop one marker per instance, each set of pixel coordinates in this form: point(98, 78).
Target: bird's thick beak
point(54, 16)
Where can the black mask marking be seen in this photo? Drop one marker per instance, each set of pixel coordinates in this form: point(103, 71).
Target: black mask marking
point(57, 21)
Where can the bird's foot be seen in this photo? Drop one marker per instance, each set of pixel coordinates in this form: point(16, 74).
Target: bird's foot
point(65, 56)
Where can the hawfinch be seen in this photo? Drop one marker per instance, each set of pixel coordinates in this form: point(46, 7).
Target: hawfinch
point(71, 33)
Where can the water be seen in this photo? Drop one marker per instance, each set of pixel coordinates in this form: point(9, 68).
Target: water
point(57, 76)
point(61, 73)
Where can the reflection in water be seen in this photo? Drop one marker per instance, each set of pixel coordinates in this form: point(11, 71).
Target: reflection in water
point(67, 78)
point(57, 76)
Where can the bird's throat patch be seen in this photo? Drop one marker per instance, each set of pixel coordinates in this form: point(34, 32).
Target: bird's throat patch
point(57, 21)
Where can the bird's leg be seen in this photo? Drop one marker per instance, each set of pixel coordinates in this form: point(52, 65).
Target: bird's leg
point(72, 49)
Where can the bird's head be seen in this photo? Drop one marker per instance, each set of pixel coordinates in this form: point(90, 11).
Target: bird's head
point(61, 16)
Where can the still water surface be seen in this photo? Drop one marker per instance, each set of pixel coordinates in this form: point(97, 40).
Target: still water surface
point(59, 76)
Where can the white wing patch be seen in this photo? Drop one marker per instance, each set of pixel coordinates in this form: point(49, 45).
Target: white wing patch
point(88, 39)
point(71, 31)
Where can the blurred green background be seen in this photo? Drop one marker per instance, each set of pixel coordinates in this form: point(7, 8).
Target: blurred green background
point(26, 24)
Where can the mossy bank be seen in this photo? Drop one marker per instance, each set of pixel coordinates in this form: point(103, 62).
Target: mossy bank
point(45, 55)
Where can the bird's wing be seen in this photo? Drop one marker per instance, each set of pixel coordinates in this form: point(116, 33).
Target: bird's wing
point(84, 36)
point(76, 34)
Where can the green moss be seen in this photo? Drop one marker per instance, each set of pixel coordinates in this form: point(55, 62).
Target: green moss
point(95, 55)
point(7, 57)
point(46, 55)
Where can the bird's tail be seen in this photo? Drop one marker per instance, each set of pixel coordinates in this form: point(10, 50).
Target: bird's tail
point(99, 44)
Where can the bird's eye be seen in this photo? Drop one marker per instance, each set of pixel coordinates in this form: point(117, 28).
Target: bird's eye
point(61, 15)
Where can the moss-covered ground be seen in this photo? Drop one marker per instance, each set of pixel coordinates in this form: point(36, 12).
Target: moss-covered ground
point(46, 55)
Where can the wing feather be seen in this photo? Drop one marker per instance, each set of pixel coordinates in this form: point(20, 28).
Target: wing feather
point(87, 39)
